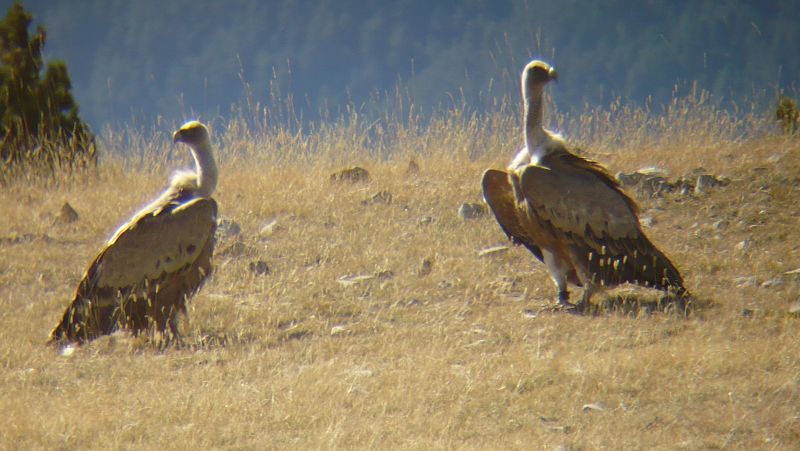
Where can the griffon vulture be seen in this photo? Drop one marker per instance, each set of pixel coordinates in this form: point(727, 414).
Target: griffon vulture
point(570, 213)
point(152, 264)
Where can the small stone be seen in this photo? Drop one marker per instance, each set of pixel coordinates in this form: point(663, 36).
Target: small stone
point(653, 171)
point(471, 211)
point(354, 174)
point(269, 228)
point(338, 330)
point(705, 182)
point(745, 281)
point(772, 283)
point(228, 227)
point(647, 221)
point(67, 214)
point(596, 407)
point(794, 309)
point(630, 179)
point(742, 247)
point(425, 268)
point(413, 167)
point(259, 268)
point(530, 313)
point(721, 224)
point(425, 220)
point(383, 197)
point(653, 186)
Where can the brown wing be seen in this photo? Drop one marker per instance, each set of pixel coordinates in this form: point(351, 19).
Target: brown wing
point(163, 254)
point(586, 206)
point(578, 200)
point(499, 194)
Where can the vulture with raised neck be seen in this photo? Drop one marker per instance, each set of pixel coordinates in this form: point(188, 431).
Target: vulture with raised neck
point(570, 212)
point(156, 261)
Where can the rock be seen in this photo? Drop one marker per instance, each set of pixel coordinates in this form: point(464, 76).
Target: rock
point(683, 186)
point(705, 182)
point(471, 211)
point(772, 283)
point(67, 214)
point(649, 182)
point(425, 268)
point(269, 228)
point(530, 313)
point(258, 267)
point(413, 167)
point(631, 179)
point(339, 330)
point(653, 186)
point(425, 220)
point(594, 407)
point(794, 309)
point(653, 171)
point(228, 227)
point(354, 174)
point(721, 224)
point(745, 281)
point(383, 197)
point(492, 250)
point(647, 221)
point(742, 247)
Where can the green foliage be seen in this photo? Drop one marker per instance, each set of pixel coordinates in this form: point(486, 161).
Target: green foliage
point(787, 113)
point(39, 123)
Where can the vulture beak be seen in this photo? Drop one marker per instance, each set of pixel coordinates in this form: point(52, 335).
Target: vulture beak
point(176, 137)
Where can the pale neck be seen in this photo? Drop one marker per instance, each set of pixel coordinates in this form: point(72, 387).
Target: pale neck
point(207, 173)
point(534, 131)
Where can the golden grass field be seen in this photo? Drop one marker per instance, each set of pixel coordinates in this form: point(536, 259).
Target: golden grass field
point(462, 353)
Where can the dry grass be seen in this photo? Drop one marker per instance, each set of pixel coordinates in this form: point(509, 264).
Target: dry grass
point(449, 359)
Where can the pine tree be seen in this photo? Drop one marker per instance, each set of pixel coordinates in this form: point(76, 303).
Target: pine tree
point(39, 120)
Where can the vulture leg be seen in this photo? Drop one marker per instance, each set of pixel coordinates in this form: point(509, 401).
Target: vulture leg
point(560, 270)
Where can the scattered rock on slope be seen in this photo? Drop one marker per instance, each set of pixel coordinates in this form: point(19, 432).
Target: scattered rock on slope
point(471, 211)
point(354, 174)
point(67, 214)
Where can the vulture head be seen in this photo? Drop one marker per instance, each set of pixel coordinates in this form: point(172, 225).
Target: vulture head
point(535, 75)
point(193, 133)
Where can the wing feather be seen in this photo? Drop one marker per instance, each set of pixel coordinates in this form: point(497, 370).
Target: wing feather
point(590, 212)
point(499, 194)
point(578, 200)
point(150, 265)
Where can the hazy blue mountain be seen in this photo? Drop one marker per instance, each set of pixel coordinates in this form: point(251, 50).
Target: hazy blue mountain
point(136, 60)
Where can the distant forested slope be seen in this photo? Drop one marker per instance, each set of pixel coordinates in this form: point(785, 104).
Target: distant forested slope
point(135, 60)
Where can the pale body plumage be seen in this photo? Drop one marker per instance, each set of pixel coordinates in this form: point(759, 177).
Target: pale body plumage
point(154, 262)
point(569, 212)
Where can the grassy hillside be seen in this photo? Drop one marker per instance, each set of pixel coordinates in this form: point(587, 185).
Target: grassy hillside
point(350, 340)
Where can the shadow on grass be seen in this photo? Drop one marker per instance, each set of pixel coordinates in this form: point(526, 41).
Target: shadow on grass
point(637, 305)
